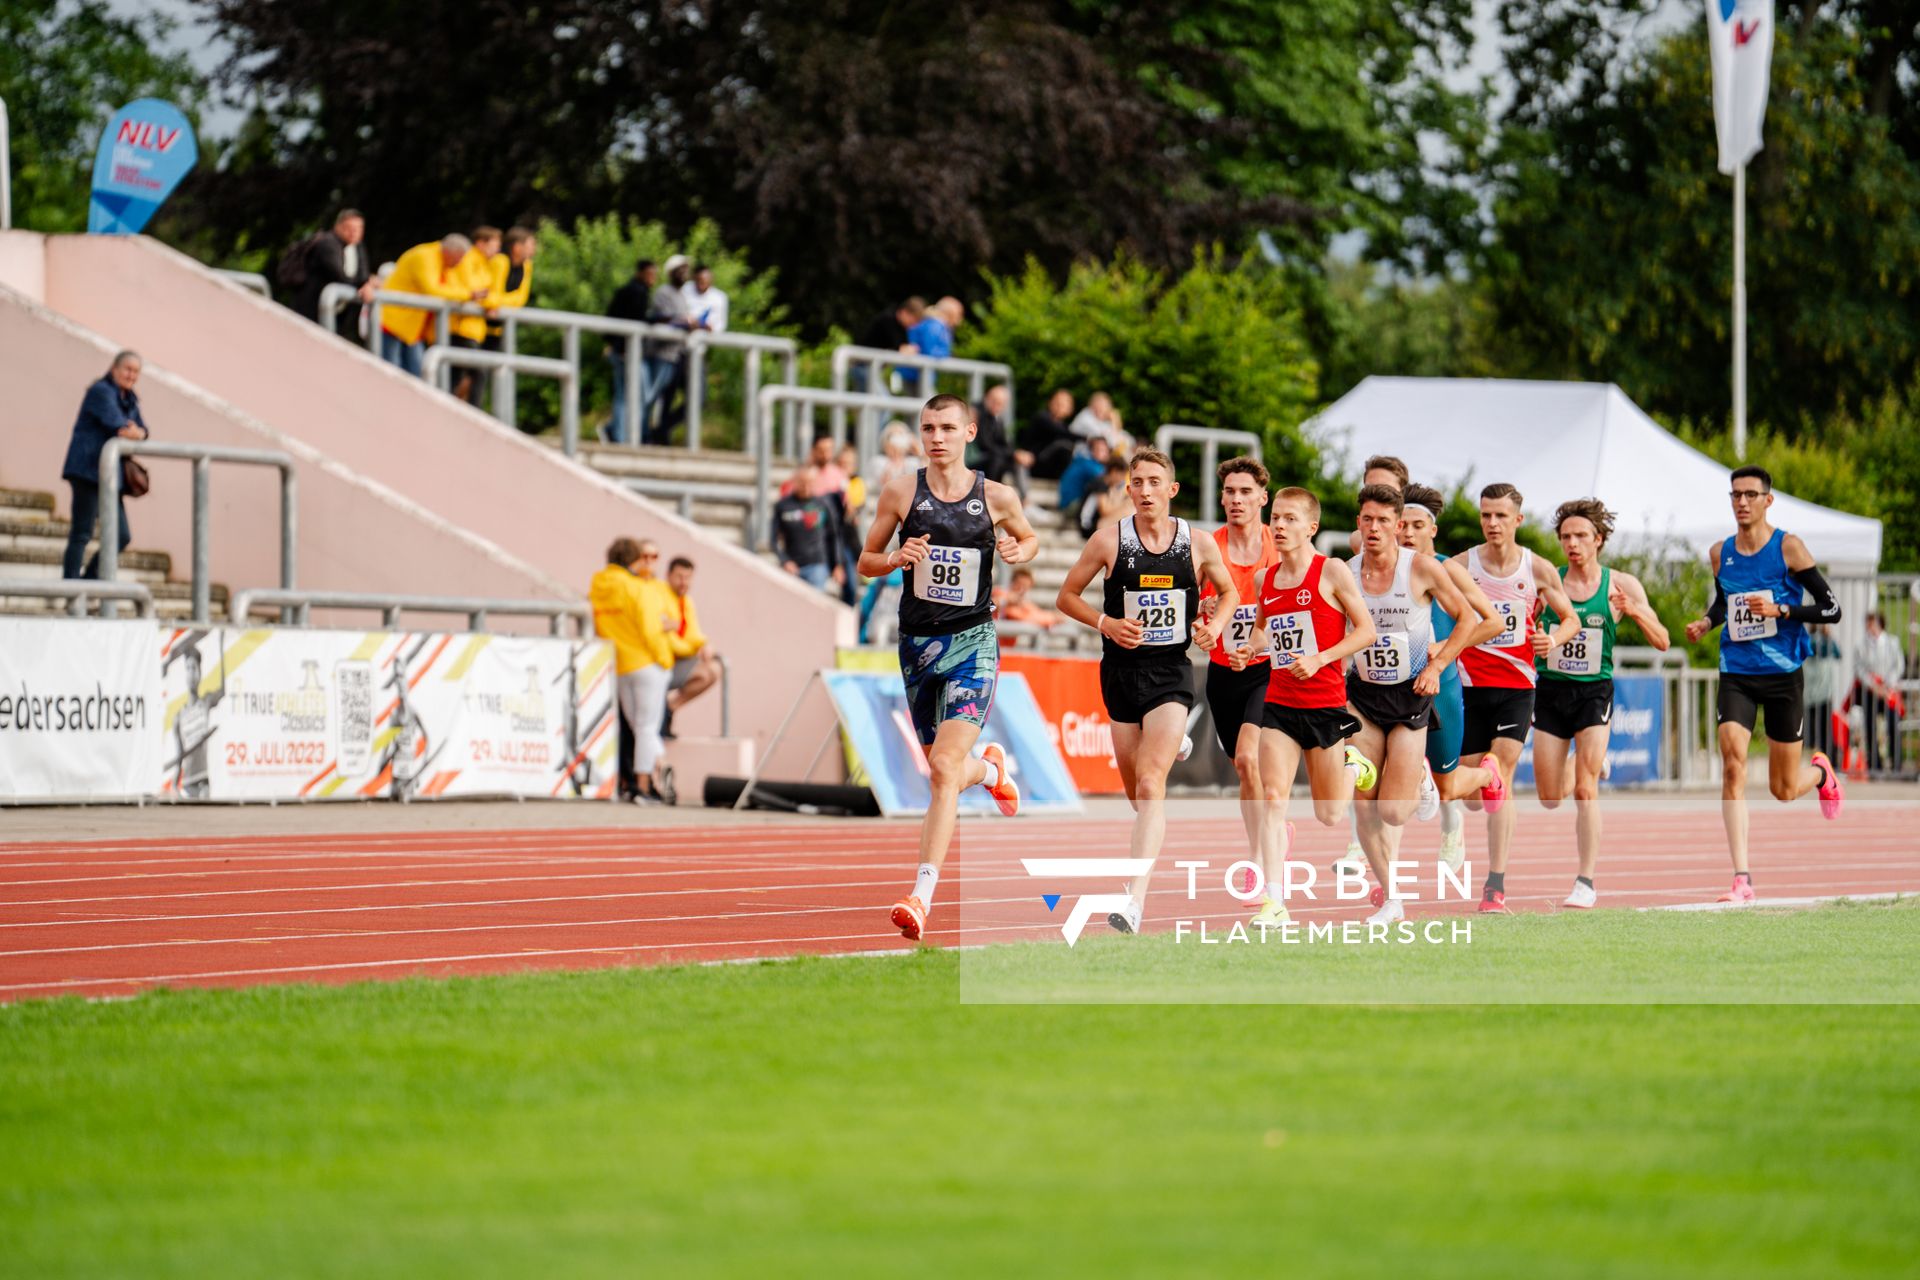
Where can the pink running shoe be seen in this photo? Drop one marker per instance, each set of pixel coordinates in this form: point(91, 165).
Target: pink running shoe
point(1377, 896)
point(1832, 792)
point(1495, 794)
point(1742, 891)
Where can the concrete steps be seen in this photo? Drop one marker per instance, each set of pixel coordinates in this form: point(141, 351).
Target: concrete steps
point(33, 543)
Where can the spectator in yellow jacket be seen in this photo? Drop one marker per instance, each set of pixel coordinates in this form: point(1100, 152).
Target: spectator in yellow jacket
point(475, 275)
point(696, 668)
point(432, 269)
point(628, 609)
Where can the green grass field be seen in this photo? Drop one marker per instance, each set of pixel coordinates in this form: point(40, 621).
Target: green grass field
point(852, 1117)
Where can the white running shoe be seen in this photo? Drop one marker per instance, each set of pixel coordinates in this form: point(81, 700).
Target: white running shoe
point(1582, 897)
point(1429, 807)
point(1127, 921)
point(1186, 749)
point(1453, 847)
point(1354, 858)
point(1390, 911)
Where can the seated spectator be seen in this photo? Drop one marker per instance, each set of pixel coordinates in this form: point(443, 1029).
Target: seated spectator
point(806, 533)
point(887, 331)
point(631, 301)
point(1101, 421)
point(110, 408)
point(470, 332)
point(1110, 502)
point(1016, 604)
point(933, 336)
point(628, 611)
point(1046, 446)
point(512, 271)
point(1082, 473)
point(336, 256)
point(708, 302)
point(696, 668)
point(992, 448)
point(432, 269)
point(897, 457)
point(880, 609)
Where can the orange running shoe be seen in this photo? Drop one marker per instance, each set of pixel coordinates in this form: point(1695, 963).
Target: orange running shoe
point(1006, 792)
point(910, 917)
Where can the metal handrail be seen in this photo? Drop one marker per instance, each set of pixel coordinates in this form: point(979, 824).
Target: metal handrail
point(251, 280)
point(810, 397)
point(1210, 439)
point(203, 456)
point(6, 169)
point(688, 491)
point(80, 590)
point(977, 371)
point(301, 605)
point(571, 325)
point(437, 360)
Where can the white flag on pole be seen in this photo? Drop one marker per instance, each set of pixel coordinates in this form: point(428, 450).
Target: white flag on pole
point(1740, 36)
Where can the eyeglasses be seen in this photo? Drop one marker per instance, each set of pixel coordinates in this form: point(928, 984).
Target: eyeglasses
point(649, 555)
point(1747, 495)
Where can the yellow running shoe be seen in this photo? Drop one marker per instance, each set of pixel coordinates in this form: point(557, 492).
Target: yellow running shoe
point(1364, 774)
point(1272, 914)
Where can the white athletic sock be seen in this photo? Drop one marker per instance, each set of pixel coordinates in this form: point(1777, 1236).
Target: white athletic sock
point(1453, 813)
point(992, 779)
point(923, 882)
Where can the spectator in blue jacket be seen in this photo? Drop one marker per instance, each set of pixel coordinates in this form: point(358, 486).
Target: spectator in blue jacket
point(934, 335)
point(110, 409)
point(1082, 474)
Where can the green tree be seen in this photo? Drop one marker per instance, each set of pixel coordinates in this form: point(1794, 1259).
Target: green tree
point(1217, 345)
point(65, 67)
point(1610, 253)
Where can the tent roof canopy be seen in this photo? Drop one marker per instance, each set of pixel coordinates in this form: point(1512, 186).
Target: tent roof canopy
point(1559, 440)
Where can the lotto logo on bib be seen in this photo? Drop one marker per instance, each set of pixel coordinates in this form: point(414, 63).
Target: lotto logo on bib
point(1151, 581)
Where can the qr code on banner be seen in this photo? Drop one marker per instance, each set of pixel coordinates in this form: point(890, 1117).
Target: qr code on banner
point(353, 682)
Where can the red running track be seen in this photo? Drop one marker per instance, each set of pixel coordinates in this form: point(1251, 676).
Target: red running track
point(114, 917)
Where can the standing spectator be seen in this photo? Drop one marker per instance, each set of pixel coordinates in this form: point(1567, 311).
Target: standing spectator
point(1082, 474)
point(806, 533)
point(887, 331)
point(475, 274)
point(512, 271)
point(1825, 686)
point(110, 408)
point(1878, 668)
point(853, 506)
point(667, 357)
point(829, 475)
point(1046, 441)
point(628, 611)
point(1101, 421)
point(432, 268)
point(707, 301)
point(992, 447)
point(933, 336)
point(337, 256)
point(895, 459)
point(696, 668)
point(631, 301)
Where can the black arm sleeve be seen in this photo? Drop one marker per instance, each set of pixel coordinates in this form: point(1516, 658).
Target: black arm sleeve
point(1717, 611)
point(1824, 607)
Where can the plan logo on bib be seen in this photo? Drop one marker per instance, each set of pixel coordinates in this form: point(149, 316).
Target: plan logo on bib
point(146, 150)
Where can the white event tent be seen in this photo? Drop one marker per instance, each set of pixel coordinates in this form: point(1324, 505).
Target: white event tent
point(1559, 440)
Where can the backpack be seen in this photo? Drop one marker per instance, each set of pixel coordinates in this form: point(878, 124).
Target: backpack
point(292, 271)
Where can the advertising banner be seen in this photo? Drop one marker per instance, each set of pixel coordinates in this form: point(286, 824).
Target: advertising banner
point(145, 150)
point(1067, 690)
point(874, 717)
point(1635, 743)
point(258, 714)
point(79, 708)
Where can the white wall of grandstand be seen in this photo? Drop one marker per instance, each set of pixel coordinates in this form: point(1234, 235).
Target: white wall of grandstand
point(386, 462)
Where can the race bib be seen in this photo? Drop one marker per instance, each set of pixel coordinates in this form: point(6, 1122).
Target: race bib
point(193, 724)
point(1162, 615)
point(949, 575)
point(1387, 660)
point(1579, 656)
point(1512, 625)
point(1240, 628)
point(1743, 623)
point(1290, 637)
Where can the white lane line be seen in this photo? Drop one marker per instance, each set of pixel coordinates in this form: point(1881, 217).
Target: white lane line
point(1781, 902)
